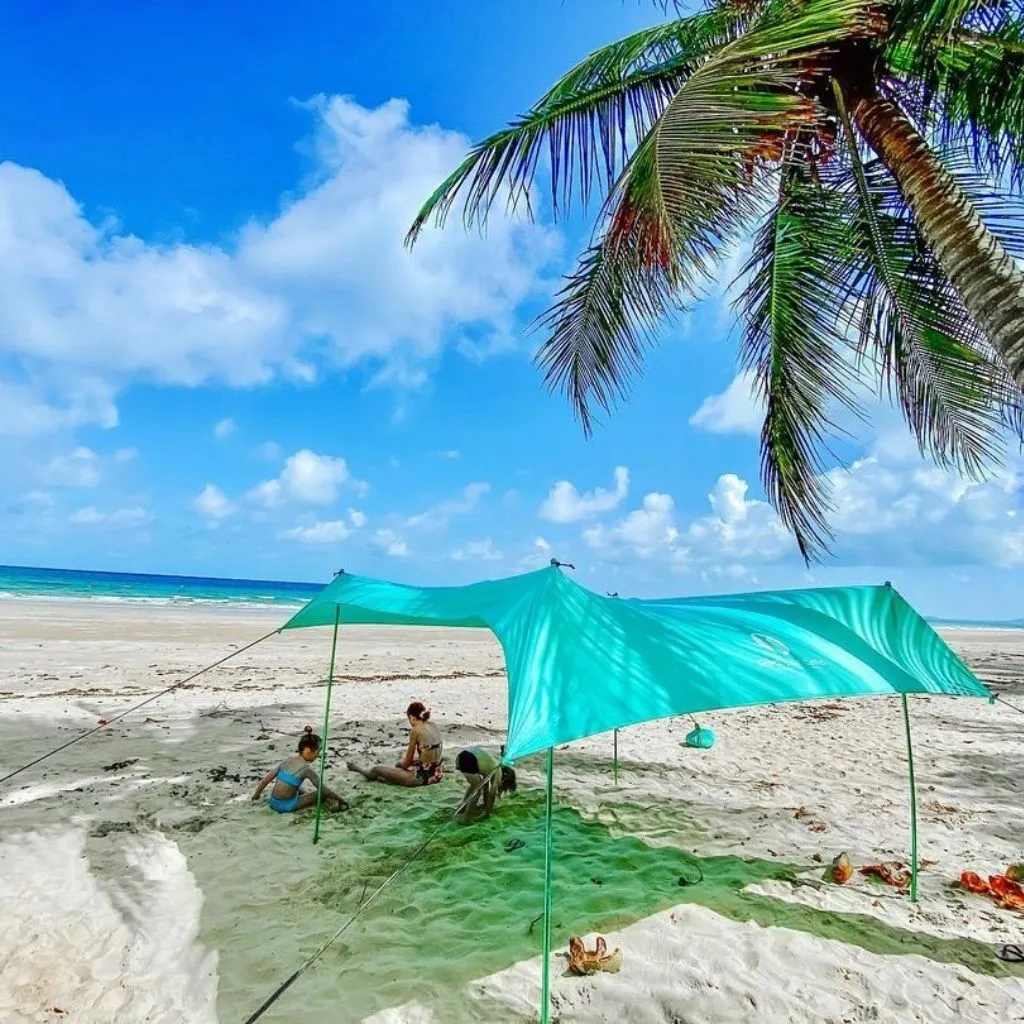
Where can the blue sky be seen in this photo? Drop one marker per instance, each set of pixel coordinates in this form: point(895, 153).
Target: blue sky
point(217, 358)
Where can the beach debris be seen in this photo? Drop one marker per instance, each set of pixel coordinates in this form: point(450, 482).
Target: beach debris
point(840, 871)
point(514, 844)
point(1010, 953)
point(105, 828)
point(119, 765)
point(892, 872)
point(220, 774)
point(584, 961)
point(1015, 872)
point(1002, 890)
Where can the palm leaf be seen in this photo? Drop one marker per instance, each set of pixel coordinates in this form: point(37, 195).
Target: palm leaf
point(790, 309)
point(963, 60)
point(932, 356)
point(585, 123)
point(603, 319)
point(690, 185)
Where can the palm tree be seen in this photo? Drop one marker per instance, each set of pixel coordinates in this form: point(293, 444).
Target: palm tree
point(866, 150)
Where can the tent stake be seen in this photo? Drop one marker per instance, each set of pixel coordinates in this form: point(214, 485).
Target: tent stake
point(913, 805)
point(327, 721)
point(545, 978)
point(615, 756)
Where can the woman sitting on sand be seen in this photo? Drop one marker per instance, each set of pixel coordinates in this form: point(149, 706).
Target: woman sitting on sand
point(289, 776)
point(421, 765)
point(486, 777)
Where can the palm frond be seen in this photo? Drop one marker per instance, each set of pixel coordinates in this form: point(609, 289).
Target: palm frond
point(932, 356)
point(963, 60)
point(691, 184)
point(790, 309)
point(584, 124)
point(603, 319)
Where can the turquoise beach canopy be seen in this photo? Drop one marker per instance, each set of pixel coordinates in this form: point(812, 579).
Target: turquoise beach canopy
point(580, 664)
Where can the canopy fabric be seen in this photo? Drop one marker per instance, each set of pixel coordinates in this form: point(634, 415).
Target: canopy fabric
point(580, 664)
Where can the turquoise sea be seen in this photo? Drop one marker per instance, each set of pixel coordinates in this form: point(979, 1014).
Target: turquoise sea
point(21, 581)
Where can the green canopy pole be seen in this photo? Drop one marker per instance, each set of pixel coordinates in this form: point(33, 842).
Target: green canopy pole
point(327, 721)
point(545, 978)
point(913, 805)
point(615, 756)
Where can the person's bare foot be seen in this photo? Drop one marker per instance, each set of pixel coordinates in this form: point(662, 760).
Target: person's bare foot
point(353, 767)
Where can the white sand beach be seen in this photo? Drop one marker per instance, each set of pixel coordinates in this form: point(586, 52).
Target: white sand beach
point(140, 883)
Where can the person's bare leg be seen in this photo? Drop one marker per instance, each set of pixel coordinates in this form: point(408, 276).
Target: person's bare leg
point(382, 773)
point(332, 801)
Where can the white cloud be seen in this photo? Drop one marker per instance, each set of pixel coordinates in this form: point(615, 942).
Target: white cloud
point(452, 455)
point(356, 518)
point(325, 284)
point(307, 478)
point(645, 532)
point(438, 516)
point(734, 411)
point(564, 504)
point(270, 450)
point(390, 543)
point(90, 516)
point(44, 406)
point(79, 469)
point(224, 429)
point(891, 508)
point(125, 455)
point(267, 493)
point(477, 551)
point(212, 504)
point(333, 531)
point(738, 527)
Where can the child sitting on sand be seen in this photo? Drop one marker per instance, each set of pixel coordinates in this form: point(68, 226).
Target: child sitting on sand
point(485, 781)
point(289, 776)
point(422, 764)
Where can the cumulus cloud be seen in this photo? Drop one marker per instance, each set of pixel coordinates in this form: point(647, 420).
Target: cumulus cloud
point(324, 284)
point(477, 551)
point(224, 429)
point(125, 455)
point(78, 469)
point(390, 543)
point(890, 508)
point(213, 504)
point(440, 515)
point(734, 411)
point(307, 478)
point(91, 516)
point(646, 532)
point(565, 504)
point(333, 531)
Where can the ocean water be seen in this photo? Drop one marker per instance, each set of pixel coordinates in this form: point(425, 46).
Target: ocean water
point(21, 581)
point(79, 584)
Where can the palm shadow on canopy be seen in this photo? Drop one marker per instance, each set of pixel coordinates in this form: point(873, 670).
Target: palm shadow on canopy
point(872, 149)
point(579, 664)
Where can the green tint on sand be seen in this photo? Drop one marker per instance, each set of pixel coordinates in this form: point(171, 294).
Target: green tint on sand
point(464, 909)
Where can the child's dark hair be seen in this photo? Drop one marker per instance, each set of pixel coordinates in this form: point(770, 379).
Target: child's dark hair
point(508, 776)
point(418, 710)
point(309, 740)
